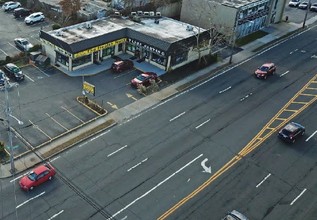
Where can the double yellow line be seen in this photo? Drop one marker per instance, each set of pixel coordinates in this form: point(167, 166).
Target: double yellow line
point(309, 91)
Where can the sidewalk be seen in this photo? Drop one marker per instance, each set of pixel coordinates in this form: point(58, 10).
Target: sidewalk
point(275, 31)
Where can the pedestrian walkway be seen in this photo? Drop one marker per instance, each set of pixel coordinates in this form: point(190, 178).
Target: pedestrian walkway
point(275, 31)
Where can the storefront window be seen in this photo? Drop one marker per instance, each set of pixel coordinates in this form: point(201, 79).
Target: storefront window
point(108, 51)
point(62, 59)
point(119, 47)
point(179, 58)
point(130, 47)
point(158, 59)
point(82, 60)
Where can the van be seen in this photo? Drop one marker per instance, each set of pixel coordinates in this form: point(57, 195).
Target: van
point(21, 12)
point(235, 215)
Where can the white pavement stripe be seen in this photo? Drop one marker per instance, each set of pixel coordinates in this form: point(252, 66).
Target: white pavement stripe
point(17, 177)
point(304, 190)
point(202, 124)
point(224, 90)
point(109, 155)
point(29, 78)
point(284, 73)
point(57, 214)
point(41, 70)
point(72, 114)
point(57, 122)
point(155, 187)
point(138, 164)
point(4, 52)
point(265, 178)
point(311, 136)
point(23, 203)
point(55, 158)
point(177, 116)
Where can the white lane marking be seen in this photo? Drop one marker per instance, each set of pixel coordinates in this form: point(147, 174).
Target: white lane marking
point(284, 73)
point(4, 52)
point(124, 218)
point(265, 178)
point(55, 215)
point(246, 96)
point(224, 90)
point(28, 77)
point(202, 123)
point(41, 71)
point(23, 203)
point(90, 140)
point(14, 47)
point(55, 158)
point(72, 114)
point(109, 155)
point(304, 190)
point(311, 136)
point(57, 122)
point(177, 116)
point(138, 164)
point(155, 187)
point(17, 177)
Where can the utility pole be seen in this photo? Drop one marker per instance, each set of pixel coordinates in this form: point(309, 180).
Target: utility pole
point(233, 37)
point(305, 18)
point(8, 113)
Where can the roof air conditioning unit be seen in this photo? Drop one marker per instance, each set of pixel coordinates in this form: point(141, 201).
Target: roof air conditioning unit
point(152, 13)
point(88, 25)
point(189, 28)
point(117, 13)
point(158, 13)
point(133, 13)
point(146, 13)
point(59, 33)
point(140, 13)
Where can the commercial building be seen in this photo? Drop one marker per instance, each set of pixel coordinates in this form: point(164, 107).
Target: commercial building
point(242, 16)
point(160, 41)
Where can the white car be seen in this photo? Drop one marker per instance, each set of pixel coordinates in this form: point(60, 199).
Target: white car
point(34, 17)
point(294, 3)
point(23, 44)
point(313, 7)
point(9, 6)
point(303, 5)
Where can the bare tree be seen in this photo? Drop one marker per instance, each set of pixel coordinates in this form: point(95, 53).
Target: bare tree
point(70, 8)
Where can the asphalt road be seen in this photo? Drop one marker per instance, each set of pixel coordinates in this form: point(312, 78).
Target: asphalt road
point(143, 167)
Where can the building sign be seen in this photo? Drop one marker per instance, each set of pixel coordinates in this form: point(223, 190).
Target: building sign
point(88, 88)
point(55, 47)
point(146, 47)
point(100, 47)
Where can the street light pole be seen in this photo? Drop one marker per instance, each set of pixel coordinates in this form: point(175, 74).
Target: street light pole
point(8, 114)
point(233, 36)
point(305, 18)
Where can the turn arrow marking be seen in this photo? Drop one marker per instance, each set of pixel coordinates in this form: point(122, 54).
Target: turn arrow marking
point(203, 164)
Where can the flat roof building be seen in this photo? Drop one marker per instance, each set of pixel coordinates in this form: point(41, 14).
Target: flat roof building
point(163, 42)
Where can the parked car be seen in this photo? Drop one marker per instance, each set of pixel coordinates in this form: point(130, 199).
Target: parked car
point(293, 3)
point(291, 132)
point(265, 70)
point(23, 44)
point(121, 65)
point(235, 215)
point(34, 17)
point(303, 5)
point(313, 7)
point(13, 72)
point(144, 79)
point(37, 176)
point(9, 6)
point(3, 78)
point(21, 12)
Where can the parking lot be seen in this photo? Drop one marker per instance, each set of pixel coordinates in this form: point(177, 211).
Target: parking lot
point(297, 15)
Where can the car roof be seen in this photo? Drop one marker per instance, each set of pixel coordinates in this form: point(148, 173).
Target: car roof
point(268, 64)
point(40, 169)
point(238, 214)
point(11, 65)
point(291, 127)
point(36, 13)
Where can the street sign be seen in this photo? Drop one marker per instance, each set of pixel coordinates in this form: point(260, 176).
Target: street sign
point(88, 88)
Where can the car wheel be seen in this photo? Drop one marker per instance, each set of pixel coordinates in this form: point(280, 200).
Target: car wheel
point(50, 178)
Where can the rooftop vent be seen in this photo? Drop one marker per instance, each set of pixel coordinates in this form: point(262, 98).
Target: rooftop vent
point(189, 28)
point(152, 13)
point(158, 13)
point(117, 13)
point(88, 25)
point(133, 13)
point(140, 13)
point(59, 33)
point(146, 13)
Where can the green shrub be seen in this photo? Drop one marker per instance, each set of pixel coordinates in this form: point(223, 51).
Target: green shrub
point(56, 26)
point(36, 47)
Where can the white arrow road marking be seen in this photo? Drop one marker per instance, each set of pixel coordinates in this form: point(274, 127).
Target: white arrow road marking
point(203, 164)
point(23, 203)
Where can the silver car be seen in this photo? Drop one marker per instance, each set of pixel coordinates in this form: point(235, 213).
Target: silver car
point(235, 215)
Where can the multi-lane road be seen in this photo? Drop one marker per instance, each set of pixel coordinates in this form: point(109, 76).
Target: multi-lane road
point(152, 166)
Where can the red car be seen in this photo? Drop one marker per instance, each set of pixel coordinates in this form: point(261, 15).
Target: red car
point(265, 70)
point(121, 65)
point(144, 79)
point(37, 176)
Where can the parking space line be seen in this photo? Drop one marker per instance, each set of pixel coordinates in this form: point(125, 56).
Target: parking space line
point(14, 46)
point(23, 203)
point(4, 52)
point(38, 128)
point(41, 70)
point(29, 77)
point(57, 122)
point(72, 114)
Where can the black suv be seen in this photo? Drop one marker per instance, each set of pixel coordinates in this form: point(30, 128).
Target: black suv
point(21, 12)
point(291, 132)
point(13, 72)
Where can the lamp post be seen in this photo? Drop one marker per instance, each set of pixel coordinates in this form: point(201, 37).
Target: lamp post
point(305, 18)
point(233, 36)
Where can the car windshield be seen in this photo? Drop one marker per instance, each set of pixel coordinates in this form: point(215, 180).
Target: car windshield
point(141, 77)
point(286, 132)
point(15, 69)
point(264, 68)
point(25, 42)
point(32, 176)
